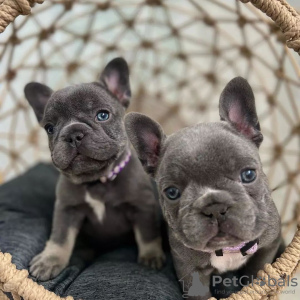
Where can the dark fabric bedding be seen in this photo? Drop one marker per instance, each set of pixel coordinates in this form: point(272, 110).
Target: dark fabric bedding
point(26, 207)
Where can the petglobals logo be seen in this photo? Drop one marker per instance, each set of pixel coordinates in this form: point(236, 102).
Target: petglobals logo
point(246, 280)
point(193, 287)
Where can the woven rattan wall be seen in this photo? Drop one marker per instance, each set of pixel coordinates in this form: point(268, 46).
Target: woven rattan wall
point(181, 54)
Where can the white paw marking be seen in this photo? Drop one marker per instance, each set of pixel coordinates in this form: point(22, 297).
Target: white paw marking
point(54, 258)
point(97, 206)
point(150, 254)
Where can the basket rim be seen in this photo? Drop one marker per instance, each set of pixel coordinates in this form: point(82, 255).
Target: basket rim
point(280, 11)
point(17, 281)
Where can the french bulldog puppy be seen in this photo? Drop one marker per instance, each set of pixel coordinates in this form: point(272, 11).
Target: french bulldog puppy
point(102, 181)
point(213, 192)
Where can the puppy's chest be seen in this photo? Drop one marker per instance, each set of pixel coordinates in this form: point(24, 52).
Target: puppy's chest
point(105, 223)
point(97, 206)
point(228, 262)
point(104, 212)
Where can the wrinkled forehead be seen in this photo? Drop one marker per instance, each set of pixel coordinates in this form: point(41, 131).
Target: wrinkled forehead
point(207, 150)
point(79, 98)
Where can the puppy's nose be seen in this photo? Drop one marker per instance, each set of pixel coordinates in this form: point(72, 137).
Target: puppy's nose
point(74, 138)
point(217, 211)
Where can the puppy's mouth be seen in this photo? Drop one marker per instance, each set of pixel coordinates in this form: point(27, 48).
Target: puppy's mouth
point(79, 161)
point(219, 241)
point(222, 240)
point(83, 165)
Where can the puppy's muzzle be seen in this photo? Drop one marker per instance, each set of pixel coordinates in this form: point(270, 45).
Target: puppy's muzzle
point(217, 211)
point(73, 134)
point(74, 138)
point(214, 205)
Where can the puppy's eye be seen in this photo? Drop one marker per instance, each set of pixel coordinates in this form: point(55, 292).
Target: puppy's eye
point(49, 128)
point(172, 193)
point(248, 176)
point(102, 115)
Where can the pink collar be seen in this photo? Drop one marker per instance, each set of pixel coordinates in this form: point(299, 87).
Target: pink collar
point(117, 169)
point(244, 248)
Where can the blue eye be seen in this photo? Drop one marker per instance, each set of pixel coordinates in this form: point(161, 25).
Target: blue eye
point(49, 128)
point(172, 193)
point(103, 115)
point(248, 176)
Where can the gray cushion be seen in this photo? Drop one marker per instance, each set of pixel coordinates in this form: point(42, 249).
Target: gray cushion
point(26, 207)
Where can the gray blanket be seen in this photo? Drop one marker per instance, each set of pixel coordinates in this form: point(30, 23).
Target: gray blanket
point(26, 206)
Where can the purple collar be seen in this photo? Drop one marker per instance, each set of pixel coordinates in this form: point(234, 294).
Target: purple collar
point(117, 169)
point(244, 248)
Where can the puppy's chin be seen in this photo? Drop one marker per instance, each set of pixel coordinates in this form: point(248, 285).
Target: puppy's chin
point(82, 178)
point(85, 169)
point(215, 243)
point(221, 241)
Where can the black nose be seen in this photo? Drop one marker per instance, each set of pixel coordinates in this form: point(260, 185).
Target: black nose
point(217, 211)
point(74, 138)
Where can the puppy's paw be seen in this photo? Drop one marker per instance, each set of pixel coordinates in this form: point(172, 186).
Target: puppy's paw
point(153, 260)
point(151, 254)
point(46, 266)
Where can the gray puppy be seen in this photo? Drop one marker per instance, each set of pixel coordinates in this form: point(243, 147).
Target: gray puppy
point(213, 192)
point(102, 181)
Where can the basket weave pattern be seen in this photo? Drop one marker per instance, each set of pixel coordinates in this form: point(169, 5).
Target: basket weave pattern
point(284, 29)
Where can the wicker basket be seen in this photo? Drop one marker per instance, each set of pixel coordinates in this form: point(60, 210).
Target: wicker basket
point(173, 74)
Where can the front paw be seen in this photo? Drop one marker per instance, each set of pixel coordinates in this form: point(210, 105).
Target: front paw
point(46, 266)
point(154, 260)
point(151, 254)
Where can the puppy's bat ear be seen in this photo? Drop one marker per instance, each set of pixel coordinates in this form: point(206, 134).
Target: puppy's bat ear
point(116, 78)
point(237, 106)
point(37, 95)
point(146, 137)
